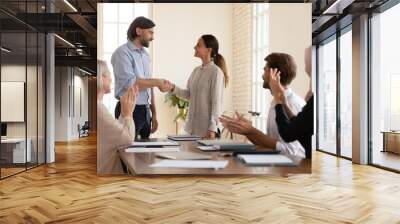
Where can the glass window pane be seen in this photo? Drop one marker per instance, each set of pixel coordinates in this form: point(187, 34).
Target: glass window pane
point(259, 101)
point(14, 153)
point(385, 114)
point(125, 12)
point(346, 94)
point(110, 37)
point(141, 9)
point(31, 100)
point(110, 12)
point(122, 33)
point(327, 97)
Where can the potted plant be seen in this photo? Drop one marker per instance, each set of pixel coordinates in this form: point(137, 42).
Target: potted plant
point(181, 105)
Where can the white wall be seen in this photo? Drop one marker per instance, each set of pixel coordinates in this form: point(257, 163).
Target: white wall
point(14, 73)
point(17, 73)
point(33, 127)
point(61, 103)
point(66, 121)
point(242, 56)
point(290, 32)
point(178, 27)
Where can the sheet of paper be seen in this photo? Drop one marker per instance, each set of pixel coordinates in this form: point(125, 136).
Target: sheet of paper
point(206, 148)
point(210, 164)
point(146, 149)
point(183, 136)
point(163, 143)
point(184, 155)
point(265, 159)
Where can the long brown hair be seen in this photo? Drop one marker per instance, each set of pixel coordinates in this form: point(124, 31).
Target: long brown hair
point(211, 42)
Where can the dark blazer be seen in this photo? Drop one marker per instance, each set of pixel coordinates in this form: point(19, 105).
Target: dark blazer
point(300, 127)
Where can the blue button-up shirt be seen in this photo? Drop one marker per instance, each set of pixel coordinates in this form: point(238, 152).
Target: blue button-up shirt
point(130, 63)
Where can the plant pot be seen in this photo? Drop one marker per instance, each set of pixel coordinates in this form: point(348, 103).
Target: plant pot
point(181, 120)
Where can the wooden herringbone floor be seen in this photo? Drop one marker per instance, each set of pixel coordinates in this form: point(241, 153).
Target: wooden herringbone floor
point(69, 191)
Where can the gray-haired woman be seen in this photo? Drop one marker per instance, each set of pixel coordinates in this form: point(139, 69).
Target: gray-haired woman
point(112, 133)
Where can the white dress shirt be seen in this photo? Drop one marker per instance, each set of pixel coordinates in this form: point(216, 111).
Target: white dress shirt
point(295, 103)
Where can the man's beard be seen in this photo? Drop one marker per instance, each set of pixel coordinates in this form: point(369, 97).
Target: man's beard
point(145, 43)
point(266, 85)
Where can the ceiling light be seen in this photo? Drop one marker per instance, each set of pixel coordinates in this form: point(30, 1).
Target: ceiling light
point(65, 41)
point(5, 50)
point(86, 72)
point(337, 7)
point(70, 5)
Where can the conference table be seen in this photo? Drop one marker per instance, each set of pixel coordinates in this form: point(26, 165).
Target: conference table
point(138, 164)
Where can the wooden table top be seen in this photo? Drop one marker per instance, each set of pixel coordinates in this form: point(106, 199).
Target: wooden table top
point(139, 164)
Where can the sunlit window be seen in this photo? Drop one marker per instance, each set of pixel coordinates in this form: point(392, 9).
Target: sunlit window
point(116, 20)
point(385, 86)
point(346, 94)
point(327, 96)
point(260, 97)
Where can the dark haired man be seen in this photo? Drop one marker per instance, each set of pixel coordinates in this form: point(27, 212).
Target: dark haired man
point(131, 64)
point(272, 140)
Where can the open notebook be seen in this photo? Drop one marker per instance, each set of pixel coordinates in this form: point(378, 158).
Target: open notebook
point(154, 143)
point(184, 137)
point(183, 155)
point(266, 160)
point(199, 164)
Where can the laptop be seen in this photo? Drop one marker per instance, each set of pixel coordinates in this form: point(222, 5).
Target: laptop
point(183, 137)
point(3, 131)
point(219, 142)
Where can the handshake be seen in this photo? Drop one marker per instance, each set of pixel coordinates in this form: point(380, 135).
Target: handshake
point(165, 85)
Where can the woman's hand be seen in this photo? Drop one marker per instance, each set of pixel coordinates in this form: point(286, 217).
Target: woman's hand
point(276, 88)
point(210, 135)
point(154, 124)
point(128, 101)
point(164, 85)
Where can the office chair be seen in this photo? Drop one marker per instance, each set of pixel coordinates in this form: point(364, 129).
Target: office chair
point(84, 130)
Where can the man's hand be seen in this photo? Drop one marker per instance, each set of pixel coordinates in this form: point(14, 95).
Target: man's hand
point(309, 93)
point(276, 87)
point(154, 124)
point(240, 117)
point(239, 125)
point(164, 85)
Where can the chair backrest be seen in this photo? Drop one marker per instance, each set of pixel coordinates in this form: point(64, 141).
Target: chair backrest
point(86, 125)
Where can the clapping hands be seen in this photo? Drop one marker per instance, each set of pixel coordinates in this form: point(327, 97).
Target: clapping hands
point(276, 87)
point(128, 101)
point(238, 124)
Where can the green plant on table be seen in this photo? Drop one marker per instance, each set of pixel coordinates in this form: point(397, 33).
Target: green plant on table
point(181, 104)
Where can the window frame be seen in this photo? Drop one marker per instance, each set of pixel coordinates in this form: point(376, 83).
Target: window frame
point(258, 95)
point(109, 100)
point(334, 37)
point(379, 10)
